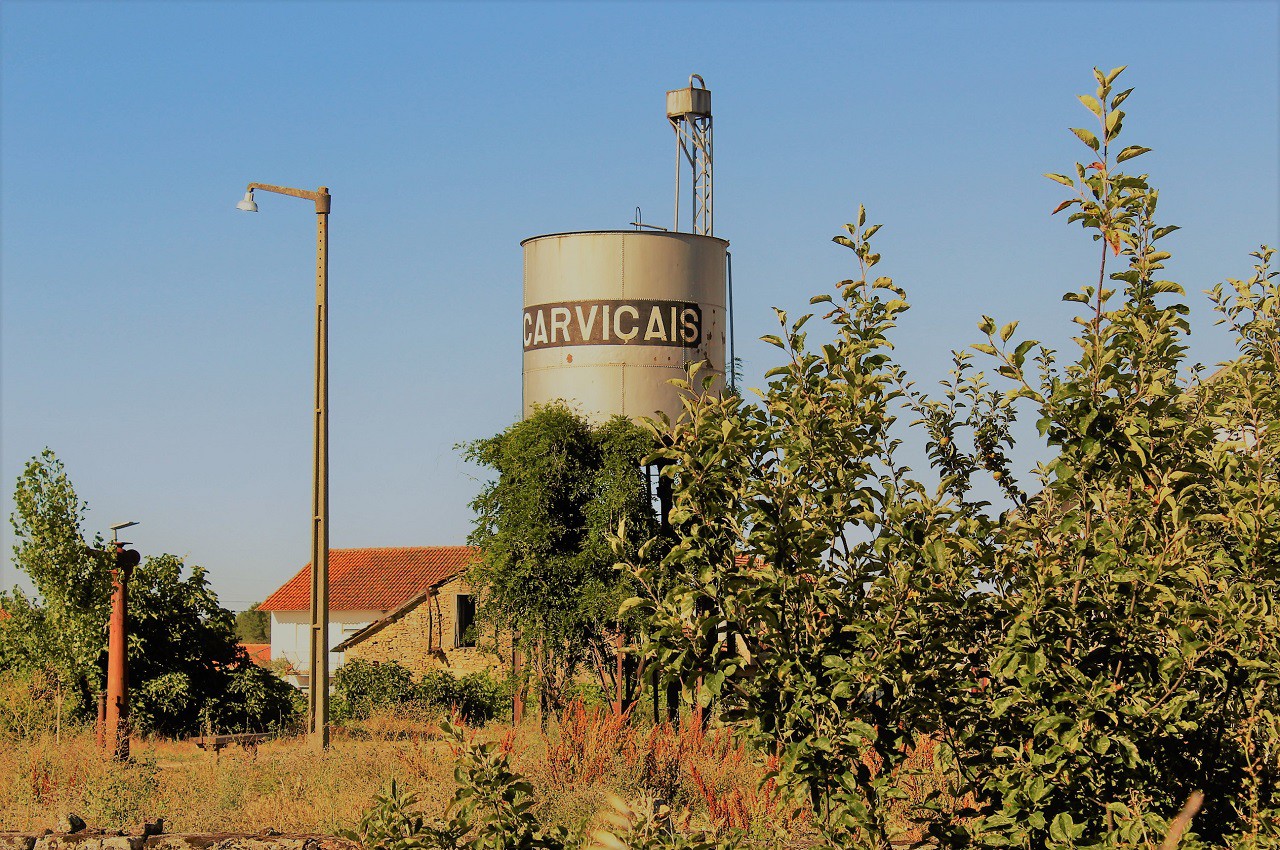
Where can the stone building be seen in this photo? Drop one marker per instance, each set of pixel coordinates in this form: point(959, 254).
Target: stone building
point(434, 630)
point(403, 604)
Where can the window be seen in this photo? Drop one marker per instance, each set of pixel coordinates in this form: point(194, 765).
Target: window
point(464, 622)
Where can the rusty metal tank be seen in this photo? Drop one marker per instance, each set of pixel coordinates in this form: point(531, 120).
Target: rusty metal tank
point(611, 316)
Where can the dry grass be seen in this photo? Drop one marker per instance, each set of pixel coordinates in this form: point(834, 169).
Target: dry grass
point(711, 777)
point(280, 785)
point(283, 785)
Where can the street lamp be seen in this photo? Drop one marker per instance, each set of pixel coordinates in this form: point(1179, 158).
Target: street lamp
point(318, 681)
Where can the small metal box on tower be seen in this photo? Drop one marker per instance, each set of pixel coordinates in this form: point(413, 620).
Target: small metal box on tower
point(690, 101)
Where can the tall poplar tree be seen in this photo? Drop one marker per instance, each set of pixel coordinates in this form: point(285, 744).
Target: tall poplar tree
point(62, 631)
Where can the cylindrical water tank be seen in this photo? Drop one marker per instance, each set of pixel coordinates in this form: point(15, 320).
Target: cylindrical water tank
point(611, 316)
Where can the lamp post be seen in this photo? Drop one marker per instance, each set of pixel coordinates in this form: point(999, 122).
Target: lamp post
point(318, 680)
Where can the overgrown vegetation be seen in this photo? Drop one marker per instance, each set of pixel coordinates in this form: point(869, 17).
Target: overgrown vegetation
point(362, 688)
point(1087, 655)
point(187, 669)
point(496, 806)
point(187, 672)
point(547, 569)
point(1091, 659)
point(708, 781)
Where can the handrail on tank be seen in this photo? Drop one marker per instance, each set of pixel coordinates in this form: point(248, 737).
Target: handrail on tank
point(639, 224)
point(701, 83)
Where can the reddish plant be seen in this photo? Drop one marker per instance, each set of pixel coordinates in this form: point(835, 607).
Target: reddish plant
point(589, 741)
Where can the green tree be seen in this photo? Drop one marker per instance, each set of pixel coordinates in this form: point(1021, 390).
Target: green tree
point(186, 667)
point(1087, 654)
point(1132, 636)
point(62, 631)
point(253, 626)
point(543, 527)
point(818, 591)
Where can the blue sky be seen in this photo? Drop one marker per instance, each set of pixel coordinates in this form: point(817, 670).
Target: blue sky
point(160, 342)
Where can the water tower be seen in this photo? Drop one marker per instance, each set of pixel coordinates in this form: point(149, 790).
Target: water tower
point(610, 316)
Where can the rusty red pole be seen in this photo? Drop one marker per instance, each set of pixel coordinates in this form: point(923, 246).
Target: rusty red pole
point(116, 727)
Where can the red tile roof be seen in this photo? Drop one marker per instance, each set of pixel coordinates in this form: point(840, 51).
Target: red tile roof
point(374, 579)
point(259, 653)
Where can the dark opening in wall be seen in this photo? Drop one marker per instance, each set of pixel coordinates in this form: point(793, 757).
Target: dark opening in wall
point(464, 630)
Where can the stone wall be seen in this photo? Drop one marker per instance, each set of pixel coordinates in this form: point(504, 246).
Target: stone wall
point(422, 639)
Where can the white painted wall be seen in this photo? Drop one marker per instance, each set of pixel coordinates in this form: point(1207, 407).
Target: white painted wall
point(289, 631)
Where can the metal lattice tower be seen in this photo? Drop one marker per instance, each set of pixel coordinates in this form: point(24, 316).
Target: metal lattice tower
point(689, 111)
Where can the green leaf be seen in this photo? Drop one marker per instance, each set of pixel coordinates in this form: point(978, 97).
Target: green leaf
point(1130, 152)
point(1092, 104)
point(1061, 178)
point(1088, 138)
point(628, 604)
point(1063, 828)
point(1114, 121)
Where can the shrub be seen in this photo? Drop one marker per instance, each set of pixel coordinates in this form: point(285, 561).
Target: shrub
point(257, 700)
point(476, 697)
point(360, 687)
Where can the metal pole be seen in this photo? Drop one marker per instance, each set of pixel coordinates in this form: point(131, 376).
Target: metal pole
point(696, 223)
point(711, 176)
point(319, 674)
point(116, 728)
point(733, 358)
point(675, 224)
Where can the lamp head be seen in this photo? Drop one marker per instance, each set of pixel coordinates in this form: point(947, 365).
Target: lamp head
point(115, 529)
point(248, 204)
